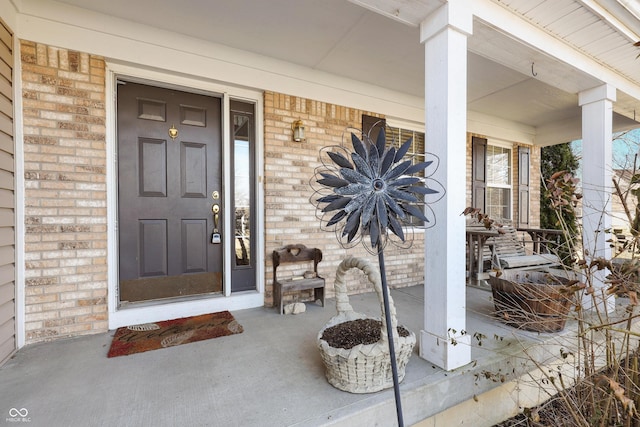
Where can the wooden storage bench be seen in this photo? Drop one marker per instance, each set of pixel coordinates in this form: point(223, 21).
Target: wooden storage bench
point(296, 254)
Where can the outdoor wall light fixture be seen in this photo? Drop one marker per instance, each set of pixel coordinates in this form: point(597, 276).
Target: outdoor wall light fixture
point(298, 131)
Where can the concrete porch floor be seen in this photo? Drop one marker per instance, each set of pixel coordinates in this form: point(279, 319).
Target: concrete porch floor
point(270, 375)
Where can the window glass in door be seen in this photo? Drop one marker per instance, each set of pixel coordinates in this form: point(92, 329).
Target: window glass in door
point(243, 264)
point(242, 190)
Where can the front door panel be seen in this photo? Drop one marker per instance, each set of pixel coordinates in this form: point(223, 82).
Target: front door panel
point(169, 165)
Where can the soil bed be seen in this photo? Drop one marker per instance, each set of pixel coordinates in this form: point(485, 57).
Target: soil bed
point(361, 331)
point(551, 413)
point(595, 405)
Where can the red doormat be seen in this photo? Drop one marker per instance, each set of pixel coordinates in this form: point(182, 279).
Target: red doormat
point(169, 333)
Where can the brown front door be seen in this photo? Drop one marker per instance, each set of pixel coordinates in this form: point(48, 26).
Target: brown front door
point(169, 179)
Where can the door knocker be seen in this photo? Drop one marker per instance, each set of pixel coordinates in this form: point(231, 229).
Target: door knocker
point(173, 132)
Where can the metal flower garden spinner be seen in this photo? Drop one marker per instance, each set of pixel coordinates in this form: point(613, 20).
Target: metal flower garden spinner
point(369, 195)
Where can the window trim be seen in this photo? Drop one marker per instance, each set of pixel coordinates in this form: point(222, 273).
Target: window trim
point(406, 124)
point(511, 147)
point(411, 126)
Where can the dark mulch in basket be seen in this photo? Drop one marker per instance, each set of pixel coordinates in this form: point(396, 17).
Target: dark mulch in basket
point(361, 331)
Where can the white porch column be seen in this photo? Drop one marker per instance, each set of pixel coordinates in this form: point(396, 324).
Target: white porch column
point(444, 34)
point(597, 129)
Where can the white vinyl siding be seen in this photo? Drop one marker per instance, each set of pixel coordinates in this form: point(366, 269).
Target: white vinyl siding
point(7, 199)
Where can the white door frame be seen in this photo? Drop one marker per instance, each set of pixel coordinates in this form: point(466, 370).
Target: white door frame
point(153, 312)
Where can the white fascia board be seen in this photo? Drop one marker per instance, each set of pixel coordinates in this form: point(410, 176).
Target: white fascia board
point(481, 124)
point(569, 130)
point(123, 41)
point(490, 126)
point(559, 132)
point(620, 15)
point(518, 28)
point(405, 14)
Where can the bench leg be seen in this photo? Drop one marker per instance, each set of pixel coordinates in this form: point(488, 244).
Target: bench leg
point(277, 296)
point(319, 295)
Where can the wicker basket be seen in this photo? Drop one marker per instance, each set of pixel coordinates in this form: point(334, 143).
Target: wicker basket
point(531, 300)
point(365, 368)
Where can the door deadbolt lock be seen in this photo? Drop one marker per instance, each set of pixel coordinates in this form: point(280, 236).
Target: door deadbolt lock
point(215, 195)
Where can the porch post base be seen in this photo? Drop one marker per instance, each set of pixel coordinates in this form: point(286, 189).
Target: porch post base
point(447, 353)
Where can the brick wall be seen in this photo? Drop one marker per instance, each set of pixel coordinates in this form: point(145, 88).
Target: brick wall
point(65, 192)
point(534, 186)
point(290, 217)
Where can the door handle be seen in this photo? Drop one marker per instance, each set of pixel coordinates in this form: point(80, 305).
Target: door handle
point(215, 237)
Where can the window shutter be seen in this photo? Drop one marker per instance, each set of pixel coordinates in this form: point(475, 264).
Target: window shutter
point(523, 186)
point(479, 173)
point(371, 126)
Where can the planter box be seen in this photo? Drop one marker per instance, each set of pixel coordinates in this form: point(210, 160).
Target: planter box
point(531, 300)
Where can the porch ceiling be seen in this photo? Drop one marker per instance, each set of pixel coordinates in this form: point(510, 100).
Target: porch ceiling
point(356, 39)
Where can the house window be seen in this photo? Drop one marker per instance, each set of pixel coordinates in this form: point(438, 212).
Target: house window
point(396, 136)
point(498, 198)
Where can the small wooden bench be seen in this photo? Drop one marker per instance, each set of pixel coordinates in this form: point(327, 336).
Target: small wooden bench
point(296, 254)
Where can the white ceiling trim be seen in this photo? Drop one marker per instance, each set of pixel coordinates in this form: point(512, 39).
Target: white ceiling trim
point(367, 61)
point(119, 40)
point(9, 13)
point(627, 11)
point(407, 12)
point(612, 20)
point(571, 130)
point(518, 28)
point(484, 124)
